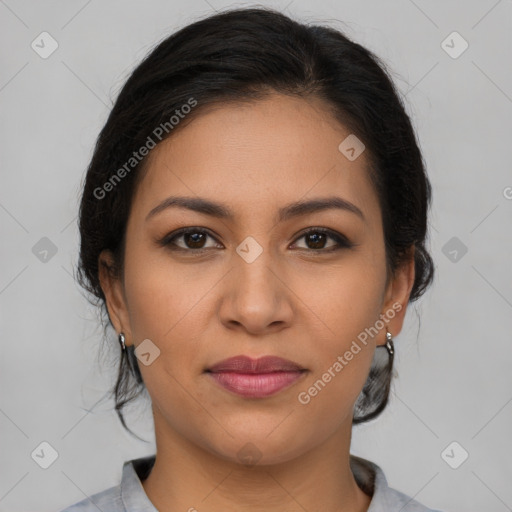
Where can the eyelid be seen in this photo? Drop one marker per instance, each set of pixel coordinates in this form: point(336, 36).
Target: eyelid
point(339, 238)
point(167, 239)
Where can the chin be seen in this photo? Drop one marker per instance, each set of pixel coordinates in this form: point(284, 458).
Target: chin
point(258, 450)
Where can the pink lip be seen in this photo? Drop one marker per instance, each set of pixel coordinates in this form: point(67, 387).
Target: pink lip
point(255, 378)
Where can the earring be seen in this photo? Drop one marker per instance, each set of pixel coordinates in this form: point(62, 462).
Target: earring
point(389, 343)
point(121, 341)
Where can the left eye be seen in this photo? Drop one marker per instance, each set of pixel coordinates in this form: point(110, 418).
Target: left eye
point(318, 236)
point(194, 239)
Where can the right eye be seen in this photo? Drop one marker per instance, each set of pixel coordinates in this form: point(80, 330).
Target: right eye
point(193, 240)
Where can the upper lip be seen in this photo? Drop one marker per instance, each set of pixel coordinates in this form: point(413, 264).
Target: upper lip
point(245, 364)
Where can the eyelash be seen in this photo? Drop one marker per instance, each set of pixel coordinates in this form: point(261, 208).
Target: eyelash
point(342, 241)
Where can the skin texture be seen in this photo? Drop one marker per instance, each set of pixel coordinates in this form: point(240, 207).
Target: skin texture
point(293, 301)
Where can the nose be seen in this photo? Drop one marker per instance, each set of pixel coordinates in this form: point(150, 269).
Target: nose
point(257, 297)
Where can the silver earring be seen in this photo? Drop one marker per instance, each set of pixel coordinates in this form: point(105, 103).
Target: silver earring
point(121, 341)
point(389, 343)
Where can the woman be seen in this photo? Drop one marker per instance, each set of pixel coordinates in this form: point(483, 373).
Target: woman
point(253, 221)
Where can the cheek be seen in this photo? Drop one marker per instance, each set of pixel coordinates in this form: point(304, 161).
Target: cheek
point(344, 300)
point(347, 303)
point(158, 295)
point(345, 297)
point(170, 307)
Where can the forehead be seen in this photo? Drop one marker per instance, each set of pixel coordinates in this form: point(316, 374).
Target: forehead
point(270, 151)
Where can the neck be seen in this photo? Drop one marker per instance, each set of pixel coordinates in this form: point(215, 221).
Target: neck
point(186, 476)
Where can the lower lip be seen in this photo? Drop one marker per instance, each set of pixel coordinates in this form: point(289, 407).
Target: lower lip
point(257, 385)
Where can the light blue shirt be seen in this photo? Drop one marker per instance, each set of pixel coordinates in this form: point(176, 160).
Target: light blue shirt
point(129, 495)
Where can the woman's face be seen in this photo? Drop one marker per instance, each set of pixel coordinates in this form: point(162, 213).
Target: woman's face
point(262, 281)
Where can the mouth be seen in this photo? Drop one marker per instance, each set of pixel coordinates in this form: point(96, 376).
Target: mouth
point(256, 378)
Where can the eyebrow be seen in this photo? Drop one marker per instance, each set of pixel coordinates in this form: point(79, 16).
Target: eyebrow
point(218, 210)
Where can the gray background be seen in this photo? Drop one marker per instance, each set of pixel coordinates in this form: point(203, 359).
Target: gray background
point(454, 354)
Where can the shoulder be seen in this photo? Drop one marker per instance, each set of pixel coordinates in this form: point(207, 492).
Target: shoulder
point(109, 499)
point(127, 496)
point(372, 481)
point(404, 503)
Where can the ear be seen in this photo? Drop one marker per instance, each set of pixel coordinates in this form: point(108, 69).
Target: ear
point(113, 289)
point(397, 294)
